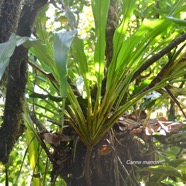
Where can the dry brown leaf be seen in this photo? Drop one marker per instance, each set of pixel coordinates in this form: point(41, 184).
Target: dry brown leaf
point(162, 126)
point(53, 138)
point(170, 126)
point(152, 129)
point(129, 123)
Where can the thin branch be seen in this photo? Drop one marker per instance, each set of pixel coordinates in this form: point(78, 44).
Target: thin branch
point(175, 100)
point(47, 74)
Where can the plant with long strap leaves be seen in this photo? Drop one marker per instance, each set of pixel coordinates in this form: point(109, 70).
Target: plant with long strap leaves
point(131, 51)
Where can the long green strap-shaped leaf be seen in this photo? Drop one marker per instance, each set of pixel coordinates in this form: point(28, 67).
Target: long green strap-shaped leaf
point(115, 116)
point(62, 44)
point(128, 7)
point(120, 33)
point(100, 12)
point(45, 56)
point(30, 134)
point(79, 55)
point(129, 58)
point(78, 120)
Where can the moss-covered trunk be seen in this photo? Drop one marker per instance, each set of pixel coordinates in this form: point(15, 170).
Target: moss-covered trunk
point(21, 23)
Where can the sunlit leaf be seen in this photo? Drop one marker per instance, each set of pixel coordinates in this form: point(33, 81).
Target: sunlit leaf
point(120, 34)
point(33, 147)
point(177, 21)
point(62, 44)
point(100, 12)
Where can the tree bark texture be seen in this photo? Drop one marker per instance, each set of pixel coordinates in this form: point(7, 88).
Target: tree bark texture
point(9, 14)
point(112, 23)
point(12, 127)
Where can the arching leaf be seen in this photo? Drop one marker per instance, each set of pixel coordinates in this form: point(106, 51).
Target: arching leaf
point(62, 44)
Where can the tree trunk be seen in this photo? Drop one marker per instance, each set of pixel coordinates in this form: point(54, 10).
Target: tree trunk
point(12, 127)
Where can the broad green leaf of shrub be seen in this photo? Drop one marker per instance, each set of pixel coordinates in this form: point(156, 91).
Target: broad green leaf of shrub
point(6, 51)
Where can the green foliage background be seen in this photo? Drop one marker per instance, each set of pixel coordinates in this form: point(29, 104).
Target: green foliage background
point(67, 62)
